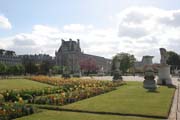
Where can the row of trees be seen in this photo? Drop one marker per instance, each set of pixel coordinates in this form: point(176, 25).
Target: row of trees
point(27, 68)
point(88, 66)
point(42, 68)
point(11, 69)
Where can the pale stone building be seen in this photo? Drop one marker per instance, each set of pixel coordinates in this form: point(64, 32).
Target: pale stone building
point(69, 54)
point(36, 58)
point(9, 57)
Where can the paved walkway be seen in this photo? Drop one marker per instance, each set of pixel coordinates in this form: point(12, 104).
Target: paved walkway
point(175, 109)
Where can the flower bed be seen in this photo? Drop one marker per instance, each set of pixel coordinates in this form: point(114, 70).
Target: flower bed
point(10, 111)
point(74, 82)
point(65, 91)
point(74, 89)
point(71, 96)
point(28, 94)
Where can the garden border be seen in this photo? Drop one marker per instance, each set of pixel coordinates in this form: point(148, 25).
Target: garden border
point(102, 113)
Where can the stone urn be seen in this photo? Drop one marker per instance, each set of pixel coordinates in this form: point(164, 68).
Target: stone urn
point(149, 82)
point(117, 73)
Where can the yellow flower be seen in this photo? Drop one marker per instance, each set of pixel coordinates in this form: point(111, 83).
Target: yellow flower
point(63, 94)
point(20, 100)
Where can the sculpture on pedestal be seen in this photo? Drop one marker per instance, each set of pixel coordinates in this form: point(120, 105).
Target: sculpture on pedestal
point(164, 56)
point(164, 70)
point(149, 82)
point(117, 73)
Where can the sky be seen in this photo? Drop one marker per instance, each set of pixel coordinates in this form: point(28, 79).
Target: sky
point(104, 27)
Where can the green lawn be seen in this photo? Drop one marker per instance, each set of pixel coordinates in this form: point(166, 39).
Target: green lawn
point(20, 84)
point(129, 99)
point(60, 115)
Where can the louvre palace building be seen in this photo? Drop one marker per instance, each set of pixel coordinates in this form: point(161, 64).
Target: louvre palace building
point(69, 54)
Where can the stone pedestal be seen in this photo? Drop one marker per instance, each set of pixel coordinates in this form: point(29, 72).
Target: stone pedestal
point(117, 75)
point(164, 75)
point(77, 74)
point(149, 84)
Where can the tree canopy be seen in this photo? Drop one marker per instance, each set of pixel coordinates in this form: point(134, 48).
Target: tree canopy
point(126, 61)
point(173, 60)
point(88, 65)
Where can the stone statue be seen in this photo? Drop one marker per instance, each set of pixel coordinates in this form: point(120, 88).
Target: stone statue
point(117, 72)
point(164, 56)
point(164, 77)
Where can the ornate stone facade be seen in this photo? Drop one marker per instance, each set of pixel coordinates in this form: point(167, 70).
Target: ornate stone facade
point(70, 55)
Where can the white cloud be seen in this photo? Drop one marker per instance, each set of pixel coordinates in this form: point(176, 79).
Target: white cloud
point(150, 28)
point(141, 31)
point(38, 41)
point(4, 22)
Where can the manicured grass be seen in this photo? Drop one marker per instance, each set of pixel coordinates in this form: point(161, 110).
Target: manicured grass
point(129, 99)
point(20, 84)
point(60, 115)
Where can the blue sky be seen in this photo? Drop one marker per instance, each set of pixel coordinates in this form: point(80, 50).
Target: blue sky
point(24, 15)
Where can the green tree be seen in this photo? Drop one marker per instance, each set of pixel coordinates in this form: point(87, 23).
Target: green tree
point(30, 67)
point(3, 68)
point(88, 65)
point(173, 60)
point(45, 66)
point(11, 69)
point(57, 69)
point(20, 69)
point(126, 61)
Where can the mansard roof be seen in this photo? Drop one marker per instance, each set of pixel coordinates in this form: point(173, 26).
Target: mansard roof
point(68, 45)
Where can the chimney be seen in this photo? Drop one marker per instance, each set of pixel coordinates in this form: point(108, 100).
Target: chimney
point(78, 42)
point(62, 40)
